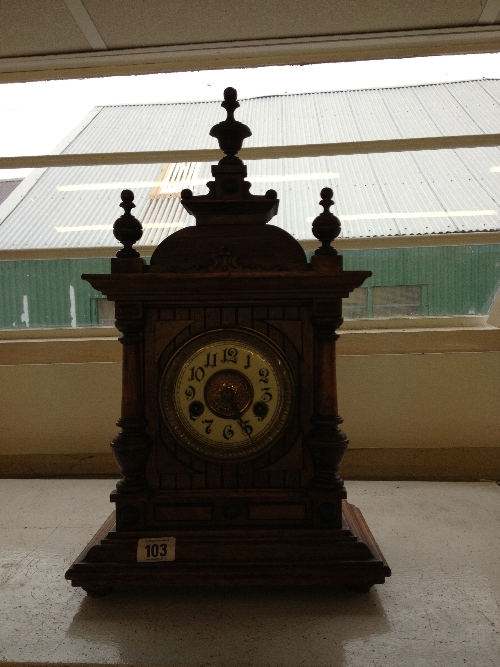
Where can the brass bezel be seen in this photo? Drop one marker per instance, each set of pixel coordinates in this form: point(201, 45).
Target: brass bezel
point(204, 447)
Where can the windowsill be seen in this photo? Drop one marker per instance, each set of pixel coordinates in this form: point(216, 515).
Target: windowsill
point(392, 323)
point(407, 335)
point(58, 333)
point(397, 323)
point(59, 346)
point(413, 340)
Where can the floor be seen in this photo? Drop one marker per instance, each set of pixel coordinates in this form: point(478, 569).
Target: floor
point(440, 607)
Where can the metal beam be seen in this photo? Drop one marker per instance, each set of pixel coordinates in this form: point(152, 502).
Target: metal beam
point(253, 53)
point(260, 153)
point(86, 25)
point(359, 243)
point(490, 12)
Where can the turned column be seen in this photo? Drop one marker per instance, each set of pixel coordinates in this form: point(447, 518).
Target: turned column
point(326, 442)
point(131, 446)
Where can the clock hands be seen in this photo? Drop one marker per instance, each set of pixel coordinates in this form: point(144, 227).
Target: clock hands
point(228, 395)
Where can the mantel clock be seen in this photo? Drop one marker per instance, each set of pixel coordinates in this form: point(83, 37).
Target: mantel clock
point(229, 443)
point(227, 394)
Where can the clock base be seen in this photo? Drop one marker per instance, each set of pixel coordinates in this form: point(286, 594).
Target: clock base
point(339, 557)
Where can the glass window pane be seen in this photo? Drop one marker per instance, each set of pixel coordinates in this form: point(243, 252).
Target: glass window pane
point(396, 301)
point(105, 313)
point(69, 213)
point(356, 305)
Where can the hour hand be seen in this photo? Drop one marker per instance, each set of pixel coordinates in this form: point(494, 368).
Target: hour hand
point(228, 395)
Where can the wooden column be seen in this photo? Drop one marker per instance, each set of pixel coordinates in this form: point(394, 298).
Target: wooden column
point(327, 442)
point(131, 446)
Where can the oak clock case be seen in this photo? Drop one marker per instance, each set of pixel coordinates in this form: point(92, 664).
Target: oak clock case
point(227, 394)
point(230, 441)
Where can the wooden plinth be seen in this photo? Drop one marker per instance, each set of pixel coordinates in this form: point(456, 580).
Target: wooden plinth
point(348, 557)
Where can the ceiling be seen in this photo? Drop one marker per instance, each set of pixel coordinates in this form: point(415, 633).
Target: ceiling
point(42, 39)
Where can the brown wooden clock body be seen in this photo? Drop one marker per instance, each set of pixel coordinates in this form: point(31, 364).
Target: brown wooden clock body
point(275, 517)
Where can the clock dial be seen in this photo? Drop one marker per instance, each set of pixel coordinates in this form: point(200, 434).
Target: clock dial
point(227, 394)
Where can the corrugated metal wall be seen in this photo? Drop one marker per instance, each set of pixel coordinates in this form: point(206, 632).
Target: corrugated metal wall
point(456, 280)
point(48, 293)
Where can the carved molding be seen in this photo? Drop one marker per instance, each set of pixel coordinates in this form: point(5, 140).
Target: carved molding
point(292, 330)
point(325, 328)
point(166, 331)
point(225, 259)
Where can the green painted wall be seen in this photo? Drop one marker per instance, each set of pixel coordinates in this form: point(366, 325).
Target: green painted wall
point(46, 287)
point(456, 280)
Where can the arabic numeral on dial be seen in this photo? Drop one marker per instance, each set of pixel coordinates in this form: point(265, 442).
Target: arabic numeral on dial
point(196, 374)
point(247, 365)
point(229, 355)
point(264, 373)
point(245, 427)
point(190, 392)
point(211, 361)
point(266, 396)
point(209, 423)
point(228, 432)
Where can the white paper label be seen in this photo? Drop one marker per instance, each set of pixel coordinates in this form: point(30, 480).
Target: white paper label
point(153, 549)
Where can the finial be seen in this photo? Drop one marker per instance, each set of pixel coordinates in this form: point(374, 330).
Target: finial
point(127, 229)
point(230, 133)
point(326, 226)
point(127, 204)
point(230, 103)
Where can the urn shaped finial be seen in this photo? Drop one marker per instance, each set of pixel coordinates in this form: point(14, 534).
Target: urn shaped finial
point(127, 229)
point(230, 133)
point(326, 226)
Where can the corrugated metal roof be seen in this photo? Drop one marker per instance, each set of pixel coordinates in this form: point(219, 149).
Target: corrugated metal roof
point(391, 194)
point(309, 118)
point(6, 187)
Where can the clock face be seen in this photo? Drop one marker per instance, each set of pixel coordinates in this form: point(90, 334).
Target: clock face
point(227, 394)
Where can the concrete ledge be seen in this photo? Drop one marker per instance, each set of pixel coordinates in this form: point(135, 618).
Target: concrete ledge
point(453, 464)
point(418, 341)
point(29, 466)
point(410, 336)
point(60, 351)
point(66, 664)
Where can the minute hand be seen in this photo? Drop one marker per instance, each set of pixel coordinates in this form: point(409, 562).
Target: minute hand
point(237, 415)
